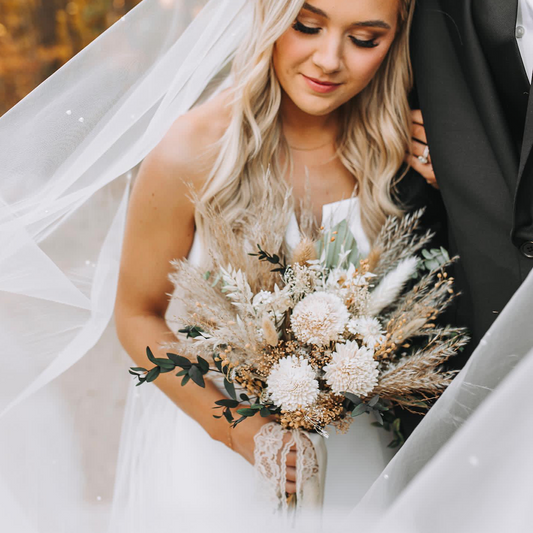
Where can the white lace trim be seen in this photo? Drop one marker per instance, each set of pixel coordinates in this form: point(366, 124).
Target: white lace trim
point(270, 463)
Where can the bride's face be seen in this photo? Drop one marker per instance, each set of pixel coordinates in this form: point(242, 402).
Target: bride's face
point(333, 50)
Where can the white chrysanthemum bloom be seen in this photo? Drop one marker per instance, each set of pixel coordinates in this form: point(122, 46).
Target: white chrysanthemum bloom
point(369, 328)
point(352, 369)
point(319, 318)
point(292, 383)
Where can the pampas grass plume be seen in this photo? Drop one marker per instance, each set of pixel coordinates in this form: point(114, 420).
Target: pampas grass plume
point(269, 331)
point(391, 285)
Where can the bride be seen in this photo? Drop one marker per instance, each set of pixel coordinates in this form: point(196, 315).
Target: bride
point(69, 153)
point(319, 97)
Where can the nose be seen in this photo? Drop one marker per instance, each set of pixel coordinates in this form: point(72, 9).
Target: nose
point(328, 55)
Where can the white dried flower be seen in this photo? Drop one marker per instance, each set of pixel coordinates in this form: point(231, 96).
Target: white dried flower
point(319, 318)
point(261, 299)
point(352, 369)
point(292, 383)
point(369, 328)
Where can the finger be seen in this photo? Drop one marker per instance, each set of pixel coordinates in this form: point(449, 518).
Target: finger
point(291, 474)
point(426, 170)
point(419, 149)
point(291, 459)
point(418, 132)
point(416, 116)
point(290, 487)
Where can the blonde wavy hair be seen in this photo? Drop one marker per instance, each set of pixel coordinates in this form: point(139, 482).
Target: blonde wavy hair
point(374, 133)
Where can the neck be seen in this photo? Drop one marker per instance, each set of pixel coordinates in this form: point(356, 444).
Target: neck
point(304, 130)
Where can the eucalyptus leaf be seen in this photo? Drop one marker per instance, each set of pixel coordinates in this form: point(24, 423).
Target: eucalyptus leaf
point(227, 403)
point(203, 364)
point(153, 374)
point(228, 416)
point(373, 401)
point(164, 363)
point(138, 369)
point(230, 389)
point(264, 412)
point(353, 398)
point(245, 411)
point(378, 417)
point(185, 379)
point(197, 376)
point(359, 410)
point(179, 360)
point(149, 354)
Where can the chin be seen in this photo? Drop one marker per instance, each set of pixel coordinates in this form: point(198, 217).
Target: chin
point(316, 109)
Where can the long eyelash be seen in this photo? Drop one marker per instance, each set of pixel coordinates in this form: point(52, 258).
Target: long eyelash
point(364, 44)
point(298, 26)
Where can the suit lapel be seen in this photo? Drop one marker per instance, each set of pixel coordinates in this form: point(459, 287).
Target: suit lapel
point(480, 81)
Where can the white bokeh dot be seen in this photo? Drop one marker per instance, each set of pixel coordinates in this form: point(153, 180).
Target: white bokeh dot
point(473, 460)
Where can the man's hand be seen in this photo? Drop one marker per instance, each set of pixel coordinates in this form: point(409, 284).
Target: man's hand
point(420, 158)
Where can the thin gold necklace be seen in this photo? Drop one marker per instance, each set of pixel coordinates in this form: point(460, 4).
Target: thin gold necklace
point(309, 149)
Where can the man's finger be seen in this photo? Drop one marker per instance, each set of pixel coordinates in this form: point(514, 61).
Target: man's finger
point(419, 133)
point(416, 116)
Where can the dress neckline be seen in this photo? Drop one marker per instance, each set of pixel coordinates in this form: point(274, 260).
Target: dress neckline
point(332, 214)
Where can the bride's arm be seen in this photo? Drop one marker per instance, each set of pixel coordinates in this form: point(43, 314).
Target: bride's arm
point(160, 227)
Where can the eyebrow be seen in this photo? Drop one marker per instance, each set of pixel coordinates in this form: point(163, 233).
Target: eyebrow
point(365, 24)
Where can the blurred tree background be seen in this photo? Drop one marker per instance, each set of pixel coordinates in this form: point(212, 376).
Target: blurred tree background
point(39, 36)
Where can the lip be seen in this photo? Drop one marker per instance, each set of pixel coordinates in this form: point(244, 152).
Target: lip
point(321, 86)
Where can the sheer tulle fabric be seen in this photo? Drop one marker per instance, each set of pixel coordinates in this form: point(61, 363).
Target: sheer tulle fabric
point(69, 152)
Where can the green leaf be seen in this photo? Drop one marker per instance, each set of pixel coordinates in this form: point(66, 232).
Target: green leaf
point(138, 369)
point(227, 403)
point(378, 417)
point(185, 379)
point(244, 397)
point(164, 363)
point(228, 415)
point(238, 421)
point(230, 389)
point(265, 411)
point(133, 373)
point(203, 364)
point(183, 372)
point(153, 374)
point(218, 362)
point(165, 370)
point(373, 401)
point(149, 354)
point(245, 411)
point(353, 398)
point(197, 376)
point(359, 410)
point(343, 239)
point(179, 360)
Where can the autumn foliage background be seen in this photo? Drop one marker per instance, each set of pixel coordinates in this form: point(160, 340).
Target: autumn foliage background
point(39, 36)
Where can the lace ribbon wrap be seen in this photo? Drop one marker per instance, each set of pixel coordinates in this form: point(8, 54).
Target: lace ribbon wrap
point(270, 463)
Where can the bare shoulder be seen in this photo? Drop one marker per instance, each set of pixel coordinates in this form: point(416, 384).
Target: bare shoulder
point(188, 150)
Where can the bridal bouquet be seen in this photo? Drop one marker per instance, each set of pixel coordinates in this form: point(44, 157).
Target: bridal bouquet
point(318, 335)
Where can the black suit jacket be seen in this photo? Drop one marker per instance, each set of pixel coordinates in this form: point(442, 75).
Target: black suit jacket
point(474, 96)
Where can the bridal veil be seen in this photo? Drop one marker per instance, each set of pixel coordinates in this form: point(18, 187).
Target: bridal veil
point(68, 155)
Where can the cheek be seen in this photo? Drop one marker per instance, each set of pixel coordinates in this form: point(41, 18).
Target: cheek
point(363, 66)
point(289, 53)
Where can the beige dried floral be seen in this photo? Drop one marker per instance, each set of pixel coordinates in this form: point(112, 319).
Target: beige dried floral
point(269, 331)
point(305, 251)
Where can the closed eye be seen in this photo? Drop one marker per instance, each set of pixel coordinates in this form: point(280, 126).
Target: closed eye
point(302, 28)
point(298, 26)
point(371, 43)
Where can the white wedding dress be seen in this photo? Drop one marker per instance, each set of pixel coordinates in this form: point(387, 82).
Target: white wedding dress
point(171, 472)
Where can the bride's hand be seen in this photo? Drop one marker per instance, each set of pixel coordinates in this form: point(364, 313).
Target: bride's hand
point(420, 158)
point(241, 440)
